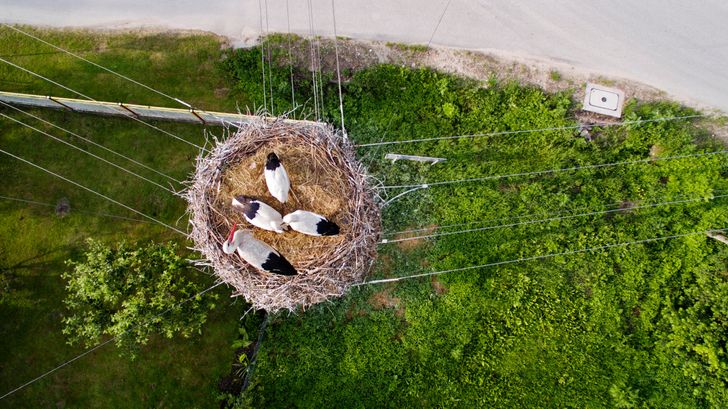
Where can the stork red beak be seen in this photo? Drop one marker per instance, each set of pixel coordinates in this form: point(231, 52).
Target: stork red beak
point(232, 232)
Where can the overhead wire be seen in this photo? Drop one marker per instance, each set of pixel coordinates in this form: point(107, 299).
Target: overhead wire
point(98, 145)
point(338, 70)
point(313, 60)
point(262, 55)
point(124, 113)
point(90, 350)
point(551, 171)
point(95, 64)
point(270, 60)
point(542, 257)
point(89, 153)
point(320, 75)
point(27, 71)
point(439, 21)
point(319, 65)
point(106, 197)
point(93, 191)
point(113, 216)
point(522, 131)
point(552, 219)
point(502, 219)
point(406, 192)
point(290, 55)
point(383, 143)
point(127, 78)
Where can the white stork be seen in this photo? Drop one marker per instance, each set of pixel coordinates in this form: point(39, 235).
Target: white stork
point(256, 253)
point(258, 213)
point(310, 223)
point(276, 178)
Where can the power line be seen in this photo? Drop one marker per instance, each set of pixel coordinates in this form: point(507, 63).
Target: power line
point(33, 202)
point(126, 114)
point(95, 64)
point(262, 53)
point(550, 171)
point(270, 61)
point(406, 192)
point(438, 23)
point(90, 350)
point(94, 192)
point(98, 145)
point(317, 64)
point(89, 153)
point(61, 49)
point(113, 216)
point(566, 253)
point(338, 70)
point(522, 131)
point(313, 60)
point(290, 55)
point(27, 71)
point(320, 67)
point(501, 219)
point(595, 213)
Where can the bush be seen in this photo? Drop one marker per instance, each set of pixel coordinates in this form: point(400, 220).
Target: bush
point(132, 293)
point(695, 334)
point(628, 327)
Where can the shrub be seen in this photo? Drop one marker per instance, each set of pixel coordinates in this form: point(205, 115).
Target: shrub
point(131, 293)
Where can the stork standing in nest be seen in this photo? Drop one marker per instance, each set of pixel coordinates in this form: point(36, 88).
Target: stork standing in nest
point(258, 213)
point(256, 253)
point(276, 178)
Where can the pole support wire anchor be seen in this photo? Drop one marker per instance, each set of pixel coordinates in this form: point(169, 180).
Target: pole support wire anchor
point(388, 202)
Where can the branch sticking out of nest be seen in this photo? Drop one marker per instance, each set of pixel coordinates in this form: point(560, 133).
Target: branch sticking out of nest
point(325, 177)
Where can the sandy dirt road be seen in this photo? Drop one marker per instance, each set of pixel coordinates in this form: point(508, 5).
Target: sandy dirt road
point(678, 46)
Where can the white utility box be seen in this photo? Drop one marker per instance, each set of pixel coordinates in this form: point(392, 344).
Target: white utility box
point(603, 100)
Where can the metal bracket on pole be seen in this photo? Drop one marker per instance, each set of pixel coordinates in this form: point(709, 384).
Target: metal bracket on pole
point(717, 236)
point(198, 116)
point(121, 104)
point(50, 98)
point(395, 157)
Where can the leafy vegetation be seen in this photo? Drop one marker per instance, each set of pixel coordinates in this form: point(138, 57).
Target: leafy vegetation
point(131, 293)
point(638, 326)
point(35, 241)
point(626, 327)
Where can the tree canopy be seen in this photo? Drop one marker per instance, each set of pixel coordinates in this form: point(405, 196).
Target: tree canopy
point(132, 292)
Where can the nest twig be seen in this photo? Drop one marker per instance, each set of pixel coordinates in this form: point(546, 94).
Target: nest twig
point(325, 177)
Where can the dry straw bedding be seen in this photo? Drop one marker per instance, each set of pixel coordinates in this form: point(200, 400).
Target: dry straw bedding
point(325, 178)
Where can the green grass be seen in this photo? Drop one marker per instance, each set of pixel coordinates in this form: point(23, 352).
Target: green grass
point(35, 242)
point(589, 330)
point(181, 65)
point(640, 326)
point(414, 48)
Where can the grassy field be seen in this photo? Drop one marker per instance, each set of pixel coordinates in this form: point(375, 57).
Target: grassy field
point(181, 65)
point(640, 326)
point(35, 242)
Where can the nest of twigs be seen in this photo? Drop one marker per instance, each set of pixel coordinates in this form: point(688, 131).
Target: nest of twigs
point(325, 178)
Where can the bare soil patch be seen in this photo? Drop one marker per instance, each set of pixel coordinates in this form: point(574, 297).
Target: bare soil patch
point(384, 299)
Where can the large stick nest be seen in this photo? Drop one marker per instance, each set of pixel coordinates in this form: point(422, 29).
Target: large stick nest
point(325, 178)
